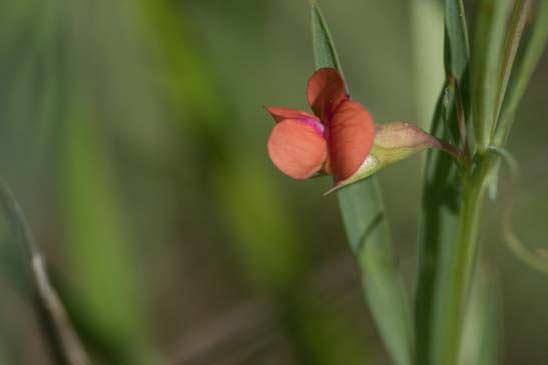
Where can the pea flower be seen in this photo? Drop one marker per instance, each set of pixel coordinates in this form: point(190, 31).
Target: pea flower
point(341, 138)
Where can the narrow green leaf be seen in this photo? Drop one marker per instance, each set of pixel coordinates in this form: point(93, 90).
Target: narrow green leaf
point(483, 325)
point(487, 51)
point(457, 48)
point(519, 17)
point(325, 54)
point(368, 233)
point(456, 268)
point(438, 225)
point(511, 45)
point(61, 334)
point(526, 62)
point(440, 200)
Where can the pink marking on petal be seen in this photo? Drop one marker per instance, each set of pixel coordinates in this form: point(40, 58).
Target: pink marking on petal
point(325, 91)
point(350, 136)
point(314, 123)
point(296, 148)
point(280, 114)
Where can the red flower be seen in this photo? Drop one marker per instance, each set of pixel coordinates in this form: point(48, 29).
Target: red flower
point(340, 139)
point(336, 140)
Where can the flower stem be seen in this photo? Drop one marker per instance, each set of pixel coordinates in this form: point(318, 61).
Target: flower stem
point(459, 263)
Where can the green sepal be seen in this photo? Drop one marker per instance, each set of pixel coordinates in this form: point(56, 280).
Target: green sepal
point(393, 142)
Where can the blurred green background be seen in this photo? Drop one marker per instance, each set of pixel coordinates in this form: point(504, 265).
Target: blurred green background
point(132, 133)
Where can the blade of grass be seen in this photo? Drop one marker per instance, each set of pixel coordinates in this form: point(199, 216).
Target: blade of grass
point(440, 201)
point(509, 51)
point(65, 341)
point(438, 223)
point(490, 26)
point(526, 62)
point(519, 17)
point(368, 234)
point(457, 49)
point(325, 54)
point(483, 328)
point(456, 268)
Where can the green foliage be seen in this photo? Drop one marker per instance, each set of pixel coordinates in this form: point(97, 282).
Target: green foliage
point(453, 197)
point(527, 59)
point(54, 320)
point(441, 188)
point(482, 333)
point(487, 51)
point(325, 54)
point(457, 48)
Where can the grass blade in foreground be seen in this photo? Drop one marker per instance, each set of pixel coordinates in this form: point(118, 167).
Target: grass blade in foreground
point(65, 339)
point(440, 196)
point(492, 16)
point(519, 17)
point(368, 234)
point(483, 326)
point(527, 60)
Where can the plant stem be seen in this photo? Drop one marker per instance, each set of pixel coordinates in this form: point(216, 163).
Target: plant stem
point(459, 263)
point(66, 343)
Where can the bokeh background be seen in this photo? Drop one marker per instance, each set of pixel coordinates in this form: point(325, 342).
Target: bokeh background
point(132, 133)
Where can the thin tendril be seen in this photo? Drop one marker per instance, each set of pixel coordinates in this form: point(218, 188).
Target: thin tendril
point(535, 260)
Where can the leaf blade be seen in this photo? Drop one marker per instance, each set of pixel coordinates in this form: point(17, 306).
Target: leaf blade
point(526, 62)
point(62, 336)
point(487, 44)
point(513, 38)
point(439, 217)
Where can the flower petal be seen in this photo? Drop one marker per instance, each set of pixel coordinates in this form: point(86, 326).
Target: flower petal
point(350, 136)
point(297, 148)
point(280, 113)
point(325, 91)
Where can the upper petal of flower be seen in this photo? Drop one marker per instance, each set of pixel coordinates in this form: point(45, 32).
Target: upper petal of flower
point(297, 148)
point(325, 91)
point(350, 136)
point(280, 113)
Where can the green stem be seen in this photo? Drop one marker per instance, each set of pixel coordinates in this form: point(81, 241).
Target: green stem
point(459, 265)
point(65, 342)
